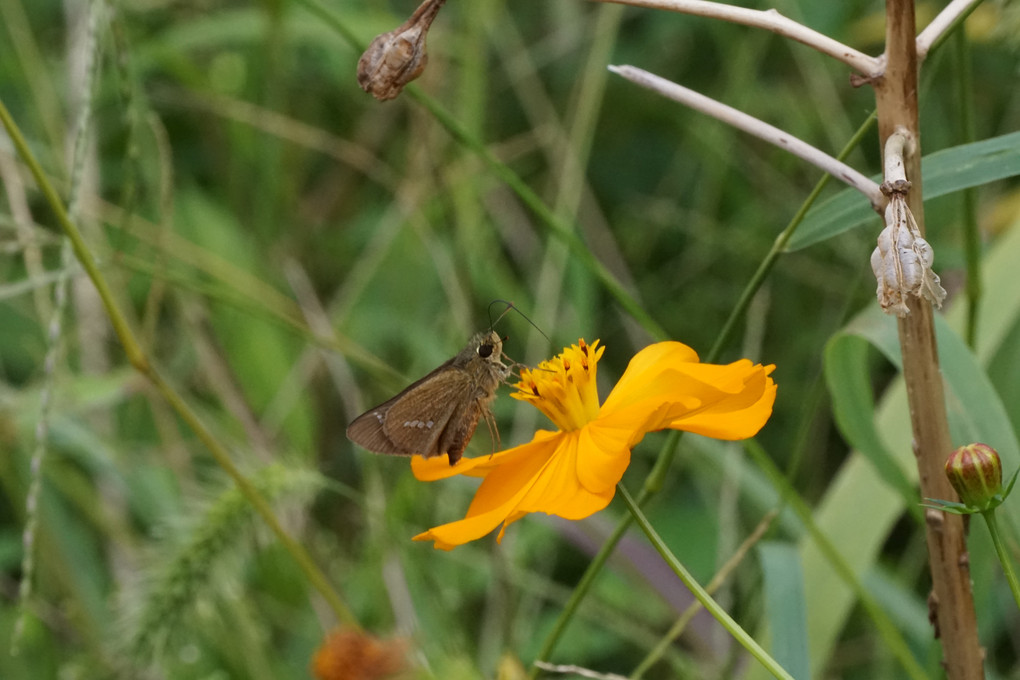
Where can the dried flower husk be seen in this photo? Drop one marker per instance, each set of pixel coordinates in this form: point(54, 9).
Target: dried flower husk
point(396, 58)
point(902, 261)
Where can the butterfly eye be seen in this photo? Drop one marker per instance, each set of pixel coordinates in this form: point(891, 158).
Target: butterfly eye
point(484, 350)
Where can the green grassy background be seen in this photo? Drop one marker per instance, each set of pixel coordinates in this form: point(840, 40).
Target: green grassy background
point(291, 251)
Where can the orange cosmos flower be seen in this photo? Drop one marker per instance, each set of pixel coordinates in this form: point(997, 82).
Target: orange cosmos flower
point(354, 655)
point(573, 472)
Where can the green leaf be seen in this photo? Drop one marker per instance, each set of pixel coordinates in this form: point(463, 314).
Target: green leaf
point(975, 411)
point(846, 374)
point(949, 506)
point(946, 171)
point(785, 607)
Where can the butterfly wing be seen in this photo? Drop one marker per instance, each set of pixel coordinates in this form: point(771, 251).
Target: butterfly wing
point(413, 422)
point(461, 427)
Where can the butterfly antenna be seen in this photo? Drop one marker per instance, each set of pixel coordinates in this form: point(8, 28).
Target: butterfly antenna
point(509, 306)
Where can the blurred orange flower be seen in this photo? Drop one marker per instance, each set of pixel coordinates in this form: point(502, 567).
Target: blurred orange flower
point(354, 655)
point(573, 472)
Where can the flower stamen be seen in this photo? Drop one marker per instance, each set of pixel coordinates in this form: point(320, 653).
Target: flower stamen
point(564, 388)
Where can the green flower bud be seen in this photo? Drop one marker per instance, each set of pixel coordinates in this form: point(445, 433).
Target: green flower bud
point(975, 471)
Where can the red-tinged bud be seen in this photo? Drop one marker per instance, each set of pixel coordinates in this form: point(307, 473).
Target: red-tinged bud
point(975, 471)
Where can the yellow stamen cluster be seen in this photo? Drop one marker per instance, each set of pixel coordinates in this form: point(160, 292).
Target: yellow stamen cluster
point(563, 388)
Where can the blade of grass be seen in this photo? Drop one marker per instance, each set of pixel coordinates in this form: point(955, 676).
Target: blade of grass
point(141, 362)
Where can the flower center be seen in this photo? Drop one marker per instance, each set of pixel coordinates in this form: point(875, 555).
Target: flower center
point(563, 388)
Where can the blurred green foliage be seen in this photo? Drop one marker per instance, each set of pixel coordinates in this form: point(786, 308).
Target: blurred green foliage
point(291, 251)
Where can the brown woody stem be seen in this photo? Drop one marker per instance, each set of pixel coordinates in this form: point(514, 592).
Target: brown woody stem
point(952, 604)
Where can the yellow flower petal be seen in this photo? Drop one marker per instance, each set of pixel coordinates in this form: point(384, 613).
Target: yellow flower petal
point(558, 489)
point(550, 481)
point(449, 536)
point(514, 470)
point(499, 495)
point(727, 402)
point(739, 416)
point(540, 477)
point(605, 455)
point(438, 467)
point(647, 365)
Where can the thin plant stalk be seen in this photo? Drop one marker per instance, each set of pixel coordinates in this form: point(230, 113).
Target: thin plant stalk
point(717, 581)
point(710, 605)
point(1003, 554)
point(137, 357)
point(90, 69)
point(769, 262)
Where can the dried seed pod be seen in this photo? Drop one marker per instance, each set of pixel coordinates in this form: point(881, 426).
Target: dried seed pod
point(902, 261)
point(396, 58)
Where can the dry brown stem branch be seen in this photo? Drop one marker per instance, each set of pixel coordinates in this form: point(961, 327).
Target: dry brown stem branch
point(753, 126)
point(940, 24)
point(770, 20)
point(898, 145)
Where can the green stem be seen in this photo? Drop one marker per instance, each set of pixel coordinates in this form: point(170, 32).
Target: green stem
point(136, 356)
point(779, 246)
point(81, 251)
point(580, 590)
point(657, 477)
point(710, 605)
point(721, 576)
point(1000, 550)
point(651, 486)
